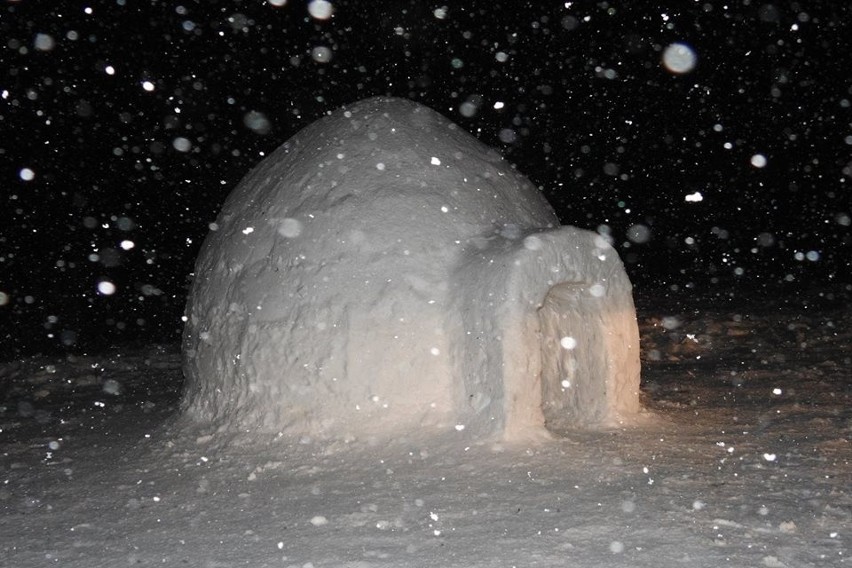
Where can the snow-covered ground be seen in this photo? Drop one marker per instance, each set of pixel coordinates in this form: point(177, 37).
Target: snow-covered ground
point(744, 459)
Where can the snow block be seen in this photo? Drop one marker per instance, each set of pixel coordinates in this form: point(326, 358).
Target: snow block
point(384, 272)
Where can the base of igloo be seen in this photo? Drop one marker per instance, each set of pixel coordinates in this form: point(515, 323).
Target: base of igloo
point(383, 273)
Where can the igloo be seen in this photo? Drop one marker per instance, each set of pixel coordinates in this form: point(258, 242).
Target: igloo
point(383, 272)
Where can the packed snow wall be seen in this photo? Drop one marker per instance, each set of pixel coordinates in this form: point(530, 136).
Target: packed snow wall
point(384, 271)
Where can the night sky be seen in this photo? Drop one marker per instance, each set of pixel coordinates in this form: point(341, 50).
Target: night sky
point(125, 124)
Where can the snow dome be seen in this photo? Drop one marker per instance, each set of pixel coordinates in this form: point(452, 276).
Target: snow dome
point(384, 272)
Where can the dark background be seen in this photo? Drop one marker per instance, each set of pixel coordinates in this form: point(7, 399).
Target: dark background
point(614, 139)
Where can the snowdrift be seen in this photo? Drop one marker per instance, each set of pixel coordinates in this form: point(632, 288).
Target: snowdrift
point(384, 272)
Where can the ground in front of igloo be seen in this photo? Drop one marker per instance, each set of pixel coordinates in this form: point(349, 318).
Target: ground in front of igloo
point(744, 460)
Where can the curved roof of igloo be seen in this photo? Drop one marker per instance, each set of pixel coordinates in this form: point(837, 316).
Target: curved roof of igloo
point(388, 168)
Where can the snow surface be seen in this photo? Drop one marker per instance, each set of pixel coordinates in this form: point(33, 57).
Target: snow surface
point(383, 271)
point(746, 462)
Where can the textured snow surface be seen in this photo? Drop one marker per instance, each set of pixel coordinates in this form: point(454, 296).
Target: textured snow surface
point(746, 462)
point(385, 271)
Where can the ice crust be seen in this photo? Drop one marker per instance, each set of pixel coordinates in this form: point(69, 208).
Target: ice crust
point(384, 272)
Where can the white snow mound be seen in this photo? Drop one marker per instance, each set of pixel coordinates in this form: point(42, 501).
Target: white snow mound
point(384, 272)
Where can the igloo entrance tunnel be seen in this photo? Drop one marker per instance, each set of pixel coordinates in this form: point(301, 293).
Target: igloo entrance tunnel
point(383, 272)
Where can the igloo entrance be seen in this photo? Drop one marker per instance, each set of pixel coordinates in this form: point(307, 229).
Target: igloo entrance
point(572, 358)
point(548, 334)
